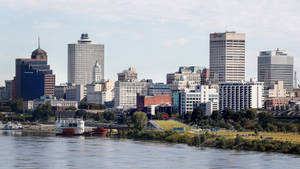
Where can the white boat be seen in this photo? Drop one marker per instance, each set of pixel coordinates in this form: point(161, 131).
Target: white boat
point(13, 126)
point(69, 126)
point(1, 125)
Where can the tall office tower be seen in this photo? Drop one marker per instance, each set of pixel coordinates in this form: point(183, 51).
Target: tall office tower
point(227, 56)
point(82, 58)
point(34, 78)
point(240, 95)
point(276, 65)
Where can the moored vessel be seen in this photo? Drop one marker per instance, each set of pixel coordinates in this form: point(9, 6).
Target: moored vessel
point(99, 131)
point(69, 126)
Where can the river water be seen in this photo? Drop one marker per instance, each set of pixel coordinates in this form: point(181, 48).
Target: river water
point(40, 150)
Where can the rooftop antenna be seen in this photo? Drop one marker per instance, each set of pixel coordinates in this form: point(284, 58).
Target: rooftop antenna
point(39, 41)
point(295, 80)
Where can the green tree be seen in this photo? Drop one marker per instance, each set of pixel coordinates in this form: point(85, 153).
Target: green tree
point(16, 105)
point(81, 114)
point(250, 114)
point(139, 120)
point(5, 106)
point(227, 114)
point(92, 106)
point(71, 108)
point(216, 115)
point(109, 116)
point(265, 119)
point(43, 112)
point(122, 119)
point(100, 116)
point(160, 115)
point(187, 117)
point(197, 115)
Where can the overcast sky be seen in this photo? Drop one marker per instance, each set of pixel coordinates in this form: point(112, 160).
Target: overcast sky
point(154, 36)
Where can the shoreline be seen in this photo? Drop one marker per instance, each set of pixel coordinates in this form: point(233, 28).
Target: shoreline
point(213, 141)
point(200, 140)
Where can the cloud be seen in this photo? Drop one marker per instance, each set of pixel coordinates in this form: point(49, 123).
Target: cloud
point(138, 36)
point(175, 42)
point(218, 12)
point(48, 25)
point(174, 23)
point(263, 17)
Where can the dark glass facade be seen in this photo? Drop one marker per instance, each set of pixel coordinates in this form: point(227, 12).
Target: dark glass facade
point(34, 78)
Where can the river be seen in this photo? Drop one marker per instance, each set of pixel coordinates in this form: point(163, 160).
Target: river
point(41, 150)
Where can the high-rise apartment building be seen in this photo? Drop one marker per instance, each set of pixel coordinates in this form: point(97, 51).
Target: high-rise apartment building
point(240, 95)
point(82, 58)
point(276, 65)
point(34, 78)
point(227, 56)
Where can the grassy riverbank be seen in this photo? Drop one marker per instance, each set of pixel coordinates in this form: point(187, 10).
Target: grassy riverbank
point(212, 140)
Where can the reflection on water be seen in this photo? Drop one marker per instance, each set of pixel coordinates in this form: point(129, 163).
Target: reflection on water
point(44, 150)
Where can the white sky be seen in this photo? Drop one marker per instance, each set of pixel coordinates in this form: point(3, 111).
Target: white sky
point(154, 36)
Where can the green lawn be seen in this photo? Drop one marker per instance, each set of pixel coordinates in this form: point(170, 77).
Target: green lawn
point(170, 124)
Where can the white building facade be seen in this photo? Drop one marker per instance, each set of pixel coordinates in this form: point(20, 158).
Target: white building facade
point(240, 95)
point(126, 93)
point(97, 73)
point(31, 105)
point(81, 61)
point(100, 92)
point(76, 93)
point(278, 90)
point(202, 94)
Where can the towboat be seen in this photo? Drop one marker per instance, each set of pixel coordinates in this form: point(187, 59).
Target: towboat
point(99, 131)
point(69, 126)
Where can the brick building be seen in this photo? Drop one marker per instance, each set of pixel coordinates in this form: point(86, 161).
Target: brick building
point(144, 101)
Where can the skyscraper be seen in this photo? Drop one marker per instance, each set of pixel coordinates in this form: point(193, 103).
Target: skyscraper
point(276, 65)
point(82, 58)
point(34, 78)
point(227, 56)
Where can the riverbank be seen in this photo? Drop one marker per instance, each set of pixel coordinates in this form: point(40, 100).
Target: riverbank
point(211, 140)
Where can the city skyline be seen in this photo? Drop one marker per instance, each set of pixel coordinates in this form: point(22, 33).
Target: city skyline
point(154, 42)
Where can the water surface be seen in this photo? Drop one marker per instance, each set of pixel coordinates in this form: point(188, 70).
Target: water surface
point(39, 150)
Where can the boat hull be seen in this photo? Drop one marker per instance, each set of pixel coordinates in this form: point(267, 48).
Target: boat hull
point(69, 131)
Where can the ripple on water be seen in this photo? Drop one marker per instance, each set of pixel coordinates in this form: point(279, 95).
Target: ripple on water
point(47, 151)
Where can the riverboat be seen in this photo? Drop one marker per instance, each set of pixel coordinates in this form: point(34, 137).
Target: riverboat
point(69, 126)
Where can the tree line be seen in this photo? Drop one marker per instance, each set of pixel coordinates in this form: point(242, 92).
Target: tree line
point(248, 119)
